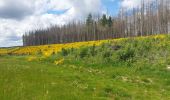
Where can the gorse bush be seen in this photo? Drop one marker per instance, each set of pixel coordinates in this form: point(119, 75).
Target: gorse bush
point(93, 52)
point(83, 52)
point(126, 51)
point(64, 52)
point(107, 54)
point(126, 55)
point(152, 49)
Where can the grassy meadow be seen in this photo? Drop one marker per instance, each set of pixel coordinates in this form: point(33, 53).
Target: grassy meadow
point(120, 69)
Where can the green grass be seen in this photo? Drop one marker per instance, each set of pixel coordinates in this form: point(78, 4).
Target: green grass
point(128, 70)
point(22, 80)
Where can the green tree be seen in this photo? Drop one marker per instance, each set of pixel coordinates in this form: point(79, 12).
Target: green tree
point(110, 23)
point(89, 20)
point(104, 20)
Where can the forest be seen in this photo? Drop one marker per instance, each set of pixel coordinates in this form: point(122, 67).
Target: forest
point(149, 18)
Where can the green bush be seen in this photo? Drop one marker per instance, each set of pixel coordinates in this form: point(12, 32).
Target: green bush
point(83, 52)
point(107, 54)
point(127, 54)
point(64, 52)
point(93, 52)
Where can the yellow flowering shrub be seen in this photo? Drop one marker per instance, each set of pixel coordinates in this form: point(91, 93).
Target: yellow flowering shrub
point(159, 36)
point(32, 58)
point(48, 50)
point(3, 51)
point(58, 62)
point(47, 53)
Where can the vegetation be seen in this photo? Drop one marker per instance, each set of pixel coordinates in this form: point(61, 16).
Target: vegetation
point(82, 61)
point(128, 69)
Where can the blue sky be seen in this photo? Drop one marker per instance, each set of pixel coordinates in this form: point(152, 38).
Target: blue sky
point(58, 12)
point(111, 7)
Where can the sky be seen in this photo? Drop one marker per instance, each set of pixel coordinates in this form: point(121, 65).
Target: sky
point(20, 16)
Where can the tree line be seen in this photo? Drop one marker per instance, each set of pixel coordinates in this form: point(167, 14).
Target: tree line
point(149, 18)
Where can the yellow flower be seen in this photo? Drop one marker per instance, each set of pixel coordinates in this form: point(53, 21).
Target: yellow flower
point(48, 50)
point(47, 53)
point(3, 51)
point(32, 58)
point(160, 36)
point(61, 61)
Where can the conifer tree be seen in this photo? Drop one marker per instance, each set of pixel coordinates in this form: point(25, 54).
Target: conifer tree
point(110, 23)
point(89, 20)
point(104, 20)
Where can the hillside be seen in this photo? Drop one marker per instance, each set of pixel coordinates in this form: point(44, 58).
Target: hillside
point(121, 69)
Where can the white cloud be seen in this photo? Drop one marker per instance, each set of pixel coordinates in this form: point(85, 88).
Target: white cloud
point(133, 3)
point(130, 3)
point(32, 14)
